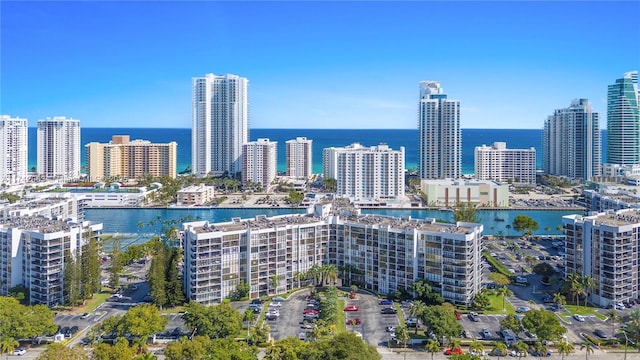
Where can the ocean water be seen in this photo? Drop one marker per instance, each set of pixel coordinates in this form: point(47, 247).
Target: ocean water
point(323, 138)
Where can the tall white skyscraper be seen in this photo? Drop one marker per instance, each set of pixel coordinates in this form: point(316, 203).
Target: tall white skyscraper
point(439, 134)
point(13, 150)
point(220, 123)
point(623, 121)
point(260, 162)
point(571, 142)
point(59, 148)
point(299, 158)
point(366, 173)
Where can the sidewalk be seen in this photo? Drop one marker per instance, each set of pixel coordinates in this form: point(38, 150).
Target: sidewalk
point(597, 355)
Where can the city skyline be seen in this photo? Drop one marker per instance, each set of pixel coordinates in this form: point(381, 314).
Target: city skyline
point(311, 65)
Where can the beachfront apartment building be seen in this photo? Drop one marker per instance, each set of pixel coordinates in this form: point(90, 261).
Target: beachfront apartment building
point(35, 234)
point(299, 158)
point(59, 148)
point(623, 120)
point(610, 199)
point(13, 150)
point(378, 253)
point(571, 142)
point(195, 195)
point(366, 173)
point(498, 163)
point(260, 162)
point(220, 123)
point(604, 246)
point(439, 134)
point(130, 159)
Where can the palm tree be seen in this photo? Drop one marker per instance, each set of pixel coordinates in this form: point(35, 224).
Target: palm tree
point(540, 348)
point(417, 309)
point(547, 229)
point(588, 284)
point(146, 356)
point(500, 349)
point(521, 348)
point(332, 272)
point(612, 317)
point(476, 346)
point(433, 347)
point(314, 272)
point(402, 336)
point(7, 345)
point(297, 276)
point(588, 349)
point(508, 227)
point(274, 282)
point(565, 348)
point(572, 285)
point(454, 343)
point(504, 292)
point(249, 316)
point(530, 260)
point(559, 299)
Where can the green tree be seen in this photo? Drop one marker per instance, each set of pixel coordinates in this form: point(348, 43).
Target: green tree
point(58, 351)
point(18, 321)
point(613, 316)
point(157, 276)
point(346, 346)
point(119, 351)
point(587, 284)
point(481, 301)
point(142, 321)
point(185, 349)
point(90, 265)
point(500, 349)
point(521, 348)
point(425, 293)
point(274, 282)
point(173, 285)
point(432, 346)
point(248, 317)
point(417, 309)
point(295, 197)
point(543, 323)
point(218, 321)
point(21, 293)
point(545, 270)
point(512, 323)
point(8, 344)
point(402, 337)
point(441, 320)
point(476, 347)
point(525, 225)
point(465, 213)
point(116, 263)
point(242, 291)
point(499, 279)
point(564, 348)
point(504, 292)
point(588, 349)
point(71, 280)
point(329, 184)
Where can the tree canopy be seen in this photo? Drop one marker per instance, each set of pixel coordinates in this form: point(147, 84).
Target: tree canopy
point(425, 293)
point(58, 351)
point(441, 320)
point(22, 322)
point(525, 224)
point(465, 213)
point(543, 323)
point(216, 322)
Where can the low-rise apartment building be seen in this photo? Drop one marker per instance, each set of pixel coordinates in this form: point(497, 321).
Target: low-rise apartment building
point(451, 192)
point(605, 247)
point(498, 163)
point(383, 254)
point(195, 195)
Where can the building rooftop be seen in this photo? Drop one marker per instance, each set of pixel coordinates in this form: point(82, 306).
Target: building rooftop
point(35, 223)
point(406, 223)
point(260, 222)
point(620, 218)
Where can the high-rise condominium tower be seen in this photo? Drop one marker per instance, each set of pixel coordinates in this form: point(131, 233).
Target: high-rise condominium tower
point(571, 142)
point(260, 161)
point(59, 148)
point(299, 157)
point(623, 121)
point(220, 123)
point(439, 134)
point(13, 150)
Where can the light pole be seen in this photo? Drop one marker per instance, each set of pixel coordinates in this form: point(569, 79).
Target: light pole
point(626, 343)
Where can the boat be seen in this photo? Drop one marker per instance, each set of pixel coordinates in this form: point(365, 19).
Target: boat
point(497, 218)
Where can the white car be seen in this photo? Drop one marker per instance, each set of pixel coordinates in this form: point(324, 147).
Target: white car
point(522, 309)
point(302, 336)
point(275, 304)
point(19, 351)
point(579, 317)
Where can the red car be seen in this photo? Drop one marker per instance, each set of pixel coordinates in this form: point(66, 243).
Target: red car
point(456, 351)
point(355, 321)
point(458, 316)
point(351, 308)
point(311, 311)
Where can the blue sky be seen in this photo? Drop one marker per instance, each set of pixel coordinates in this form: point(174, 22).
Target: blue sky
point(312, 64)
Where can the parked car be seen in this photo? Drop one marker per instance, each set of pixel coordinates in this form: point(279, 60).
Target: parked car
point(351, 308)
point(473, 316)
point(85, 315)
point(458, 316)
point(390, 329)
point(310, 311)
point(302, 336)
point(19, 351)
point(355, 321)
point(522, 309)
point(579, 317)
point(600, 333)
point(388, 310)
point(486, 334)
point(454, 351)
point(386, 302)
point(411, 322)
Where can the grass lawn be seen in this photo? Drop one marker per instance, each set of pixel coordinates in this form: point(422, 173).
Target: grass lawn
point(340, 322)
point(495, 306)
point(92, 304)
point(581, 310)
point(173, 310)
point(400, 313)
